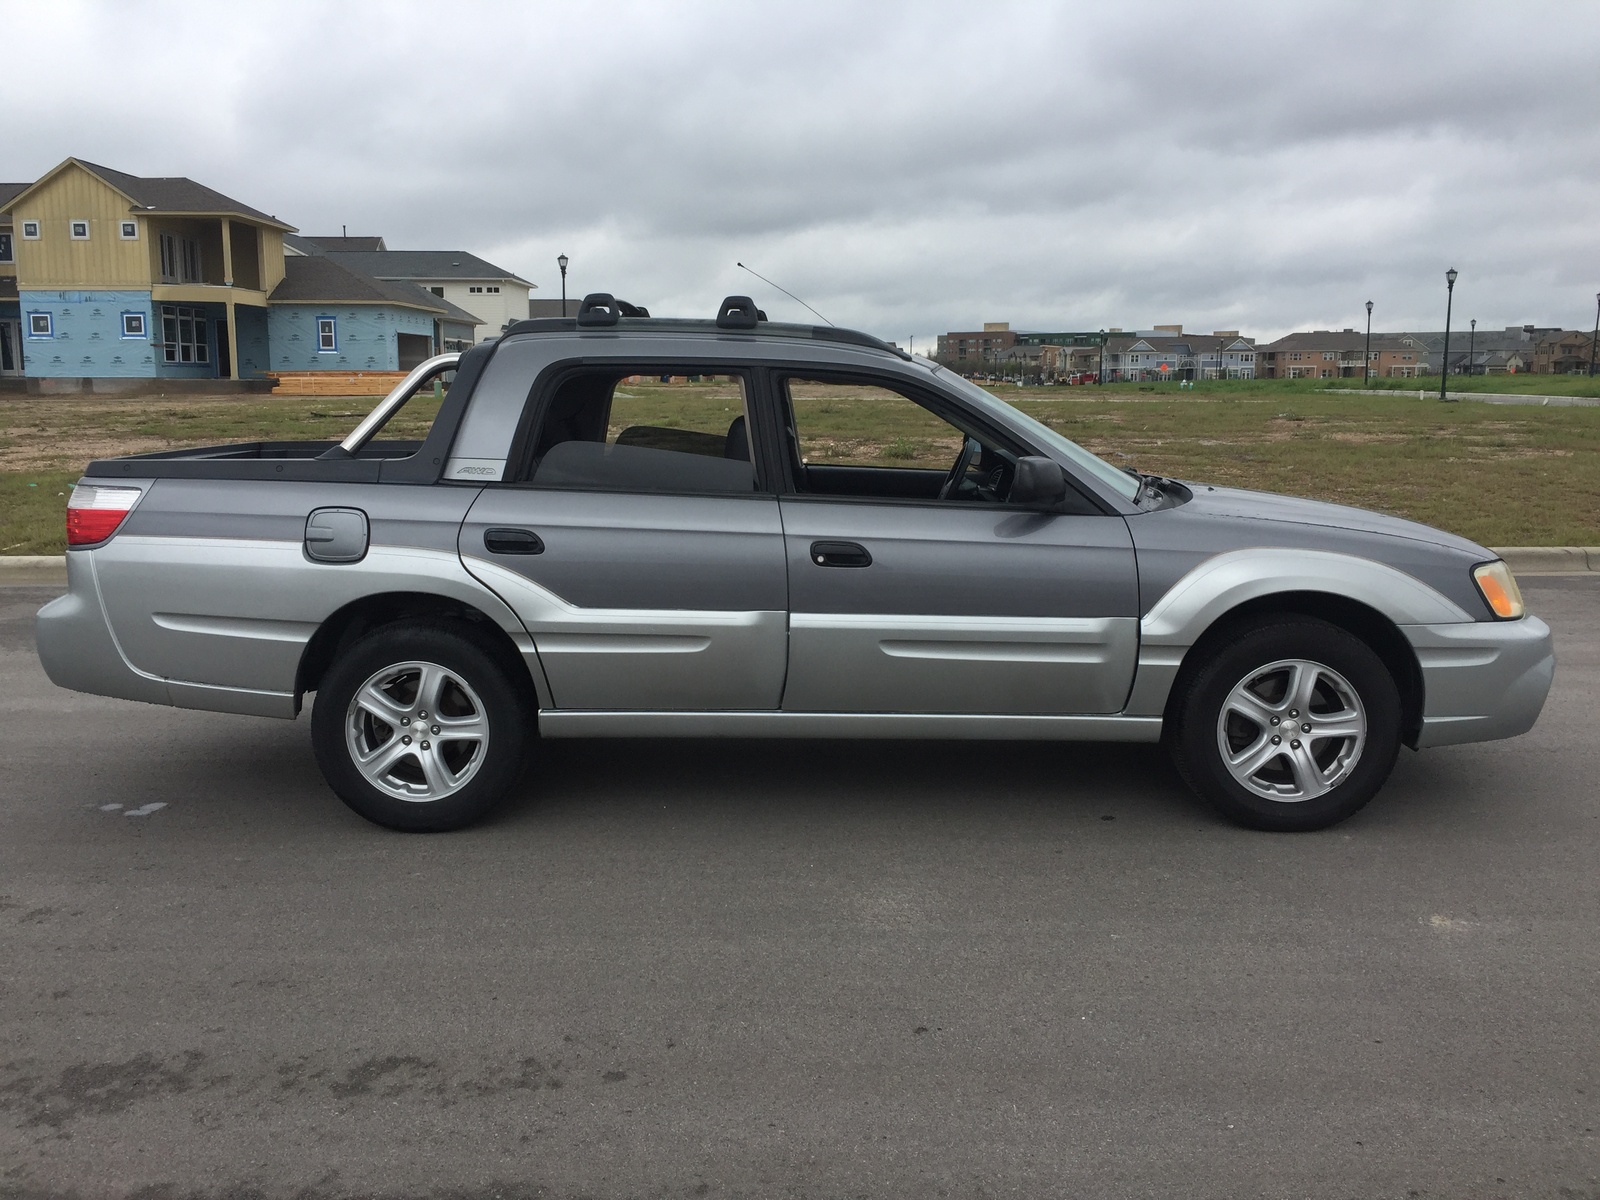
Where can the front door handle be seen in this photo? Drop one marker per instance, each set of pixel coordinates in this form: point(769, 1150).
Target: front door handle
point(840, 554)
point(512, 541)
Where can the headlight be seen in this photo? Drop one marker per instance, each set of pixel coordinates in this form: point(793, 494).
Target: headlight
point(1499, 589)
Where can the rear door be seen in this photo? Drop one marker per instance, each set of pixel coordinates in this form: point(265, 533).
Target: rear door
point(638, 543)
point(905, 602)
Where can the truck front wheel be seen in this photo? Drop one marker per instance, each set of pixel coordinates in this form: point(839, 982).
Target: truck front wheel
point(417, 727)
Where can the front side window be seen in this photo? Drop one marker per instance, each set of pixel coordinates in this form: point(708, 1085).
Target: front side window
point(644, 430)
point(183, 335)
point(133, 325)
point(866, 439)
point(30, 231)
point(79, 230)
point(40, 325)
point(6, 254)
point(327, 335)
point(129, 230)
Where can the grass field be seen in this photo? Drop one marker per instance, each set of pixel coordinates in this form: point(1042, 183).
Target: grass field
point(1500, 474)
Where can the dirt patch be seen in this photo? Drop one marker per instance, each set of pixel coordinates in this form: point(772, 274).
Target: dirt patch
point(37, 455)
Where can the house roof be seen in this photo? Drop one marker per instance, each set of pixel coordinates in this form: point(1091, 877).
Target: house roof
point(324, 281)
point(10, 191)
point(348, 243)
point(449, 312)
point(426, 264)
point(162, 194)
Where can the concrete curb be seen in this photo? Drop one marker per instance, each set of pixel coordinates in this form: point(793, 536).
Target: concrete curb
point(1550, 560)
point(33, 568)
point(1484, 397)
point(1523, 560)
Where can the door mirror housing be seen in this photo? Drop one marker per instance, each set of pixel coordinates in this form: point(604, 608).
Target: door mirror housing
point(1038, 482)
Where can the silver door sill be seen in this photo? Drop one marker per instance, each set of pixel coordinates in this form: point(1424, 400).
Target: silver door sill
point(564, 724)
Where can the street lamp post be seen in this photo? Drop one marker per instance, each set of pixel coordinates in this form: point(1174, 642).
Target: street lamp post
point(1596, 337)
point(561, 261)
point(1366, 355)
point(1444, 362)
point(1472, 343)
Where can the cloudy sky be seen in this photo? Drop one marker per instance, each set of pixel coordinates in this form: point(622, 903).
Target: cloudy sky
point(906, 168)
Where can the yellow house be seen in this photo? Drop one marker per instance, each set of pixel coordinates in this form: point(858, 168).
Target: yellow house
point(10, 311)
point(121, 276)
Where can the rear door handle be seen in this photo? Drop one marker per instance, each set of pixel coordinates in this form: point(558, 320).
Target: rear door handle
point(840, 554)
point(512, 541)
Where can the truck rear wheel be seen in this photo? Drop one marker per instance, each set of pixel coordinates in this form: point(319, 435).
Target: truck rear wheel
point(1292, 725)
point(418, 727)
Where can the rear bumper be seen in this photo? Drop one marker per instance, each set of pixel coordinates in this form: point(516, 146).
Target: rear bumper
point(78, 650)
point(1482, 680)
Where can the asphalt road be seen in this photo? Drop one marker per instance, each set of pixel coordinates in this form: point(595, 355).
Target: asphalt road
point(790, 970)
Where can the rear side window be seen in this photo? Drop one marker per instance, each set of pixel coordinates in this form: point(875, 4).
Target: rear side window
point(600, 429)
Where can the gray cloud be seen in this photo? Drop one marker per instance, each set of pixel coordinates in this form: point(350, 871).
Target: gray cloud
point(905, 167)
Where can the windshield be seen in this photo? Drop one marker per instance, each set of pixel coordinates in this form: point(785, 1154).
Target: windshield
point(1125, 485)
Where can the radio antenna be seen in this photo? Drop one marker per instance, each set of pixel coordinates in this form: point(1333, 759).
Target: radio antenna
point(785, 291)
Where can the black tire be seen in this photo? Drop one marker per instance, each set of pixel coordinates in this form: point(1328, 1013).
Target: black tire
point(478, 773)
point(1229, 662)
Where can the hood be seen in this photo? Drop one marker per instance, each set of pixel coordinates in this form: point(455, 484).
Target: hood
point(1268, 506)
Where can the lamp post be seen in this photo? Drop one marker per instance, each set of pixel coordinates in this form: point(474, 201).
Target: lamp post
point(1596, 337)
point(1101, 360)
point(1444, 362)
point(561, 261)
point(1366, 355)
point(1472, 342)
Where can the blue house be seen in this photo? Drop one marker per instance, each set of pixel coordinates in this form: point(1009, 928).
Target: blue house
point(117, 282)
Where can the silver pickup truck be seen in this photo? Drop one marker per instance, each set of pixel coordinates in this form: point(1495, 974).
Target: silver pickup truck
point(623, 526)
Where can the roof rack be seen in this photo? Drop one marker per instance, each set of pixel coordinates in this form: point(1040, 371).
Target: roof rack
point(736, 314)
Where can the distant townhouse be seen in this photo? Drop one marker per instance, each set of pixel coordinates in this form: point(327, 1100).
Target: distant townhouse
point(493, 294)
point(1342, 354)
point(1562, 352)
point(1168, 353)
point(114, 281)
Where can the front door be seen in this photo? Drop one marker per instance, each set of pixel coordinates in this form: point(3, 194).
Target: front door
point(914, 588)
point(10, 347)
point(634, 544)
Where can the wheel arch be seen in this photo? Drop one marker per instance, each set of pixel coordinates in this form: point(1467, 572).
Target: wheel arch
point(1381, 634)
point(348, 624)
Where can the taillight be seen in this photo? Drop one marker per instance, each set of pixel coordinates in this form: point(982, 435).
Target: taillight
point(93, 513)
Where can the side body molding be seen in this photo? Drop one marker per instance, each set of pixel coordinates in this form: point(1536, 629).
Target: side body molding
point(1220, 584)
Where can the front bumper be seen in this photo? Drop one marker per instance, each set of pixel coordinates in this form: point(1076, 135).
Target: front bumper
point(1481, 680)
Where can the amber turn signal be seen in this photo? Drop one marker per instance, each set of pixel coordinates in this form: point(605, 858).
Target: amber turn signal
point(1499, 589)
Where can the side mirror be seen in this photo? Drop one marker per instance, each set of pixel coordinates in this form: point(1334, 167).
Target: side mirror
point(1038, 483)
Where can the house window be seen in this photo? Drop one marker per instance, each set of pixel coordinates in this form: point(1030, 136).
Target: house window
point(475, 290)
point(180, 260)
point(79, 230)
point(129, 230)
point(5, 248)
point(327, 335)
point(437, 291)
point(183, 335)
point(30, 231)
point(40, 325)
point(494, 290)
point(133, 325)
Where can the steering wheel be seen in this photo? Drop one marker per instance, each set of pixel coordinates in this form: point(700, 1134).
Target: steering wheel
point(958, 470)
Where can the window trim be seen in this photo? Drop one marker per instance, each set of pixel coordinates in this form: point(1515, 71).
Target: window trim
point(143, 325)
point(35, 227)
point(332, 333)
point(49, 325)
point(938, 402)
point(122, 230)
point(72, 229)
